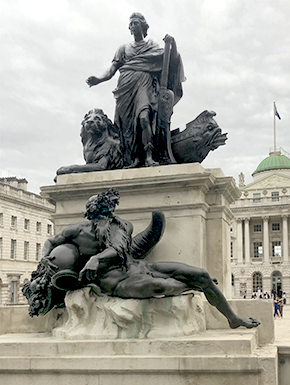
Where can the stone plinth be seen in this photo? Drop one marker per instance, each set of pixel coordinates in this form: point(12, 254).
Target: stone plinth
point(218, 356)
point(195, 202)
point(215, 357)
point(92, 317)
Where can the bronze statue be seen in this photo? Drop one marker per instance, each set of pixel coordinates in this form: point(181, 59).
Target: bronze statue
point(101, 253)
point(137, 95)
point(102, 150)
point(200, 136)
point(149, 85)
point(101, 145)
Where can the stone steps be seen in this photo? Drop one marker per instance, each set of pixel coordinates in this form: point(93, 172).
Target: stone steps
point(211, 343)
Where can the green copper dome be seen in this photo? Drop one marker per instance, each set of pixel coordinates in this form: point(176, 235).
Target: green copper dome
point(273, 162)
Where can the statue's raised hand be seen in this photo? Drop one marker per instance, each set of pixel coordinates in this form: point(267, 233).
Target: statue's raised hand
point(93, 81)
point(169, 39)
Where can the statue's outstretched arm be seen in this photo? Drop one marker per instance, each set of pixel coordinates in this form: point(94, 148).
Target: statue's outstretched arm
point(94, 81)
point(145, 241)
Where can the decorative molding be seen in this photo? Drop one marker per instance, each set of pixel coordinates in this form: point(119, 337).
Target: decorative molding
point(237, 210)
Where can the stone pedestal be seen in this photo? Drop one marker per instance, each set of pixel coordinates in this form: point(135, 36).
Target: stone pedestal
point(218, 356)
point(156, 341)
point(98, 318)
point(195, 202)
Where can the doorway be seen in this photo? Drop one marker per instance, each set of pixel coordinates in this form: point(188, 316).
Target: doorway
point(277, 283)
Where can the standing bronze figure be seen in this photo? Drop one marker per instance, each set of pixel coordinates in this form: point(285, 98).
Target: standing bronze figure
point(138, 96)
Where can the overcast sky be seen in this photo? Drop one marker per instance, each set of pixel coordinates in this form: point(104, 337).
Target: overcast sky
point(236, 55)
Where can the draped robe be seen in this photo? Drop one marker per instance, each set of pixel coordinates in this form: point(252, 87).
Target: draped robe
point(140, 65)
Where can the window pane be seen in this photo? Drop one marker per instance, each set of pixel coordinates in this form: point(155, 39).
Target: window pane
point(258, 249)
point(275, 196)
point(26, 250)
point(38, 227)
point(257, 228)
point(26, 224)
point(13, 221)
point(256, 197)
point(275, 226)
point(13, 292)
point(276, 249)
point(38, 251)
point(13, 249)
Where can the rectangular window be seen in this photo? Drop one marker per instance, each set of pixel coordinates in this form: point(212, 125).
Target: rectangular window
point(1, 247)
point(38, 251)
point(276, 226)
point(275, 196)
point(276, 249)
point(13, 249)
point(26, 224)
point(49, 229)
point(1, 219)
point(13, 221)
point(232, 250)
point(26, 250)
point(256, 197)
point(257, 228)
point(258, 249)
point(38, 227)
point(13, 292)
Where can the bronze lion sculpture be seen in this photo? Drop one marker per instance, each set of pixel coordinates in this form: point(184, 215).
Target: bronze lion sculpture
point(101, 145)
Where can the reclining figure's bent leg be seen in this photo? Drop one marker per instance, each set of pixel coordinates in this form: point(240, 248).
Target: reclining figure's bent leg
point(199, 279)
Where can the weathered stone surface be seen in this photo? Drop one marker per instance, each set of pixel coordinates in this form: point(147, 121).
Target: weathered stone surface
point(93, 317)
point(219, 358)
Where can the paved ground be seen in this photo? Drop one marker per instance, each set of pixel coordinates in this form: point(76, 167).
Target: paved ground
point(282, 326)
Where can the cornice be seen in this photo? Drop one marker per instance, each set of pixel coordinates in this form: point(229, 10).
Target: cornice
point(24, 203)
point(260, 208)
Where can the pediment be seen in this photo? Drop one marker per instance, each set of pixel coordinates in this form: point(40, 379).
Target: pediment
point(274, 181)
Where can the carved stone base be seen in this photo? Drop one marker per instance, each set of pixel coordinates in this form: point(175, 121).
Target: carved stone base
point(93, 317)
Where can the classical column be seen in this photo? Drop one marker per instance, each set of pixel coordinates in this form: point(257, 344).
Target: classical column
point(240, 240)
point(285, 238)
point(266, 239)
point(247, 240)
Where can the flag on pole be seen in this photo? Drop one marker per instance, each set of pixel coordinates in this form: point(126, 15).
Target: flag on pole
point(276, 112)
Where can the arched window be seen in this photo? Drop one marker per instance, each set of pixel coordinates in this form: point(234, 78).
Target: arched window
point(277, 282)
point(257, 282)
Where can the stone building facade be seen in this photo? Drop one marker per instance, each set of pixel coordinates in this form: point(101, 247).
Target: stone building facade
point(25, 224)
point(260, 257)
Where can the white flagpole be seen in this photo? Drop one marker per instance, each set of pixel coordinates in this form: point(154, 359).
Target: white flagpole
point(274, 129)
